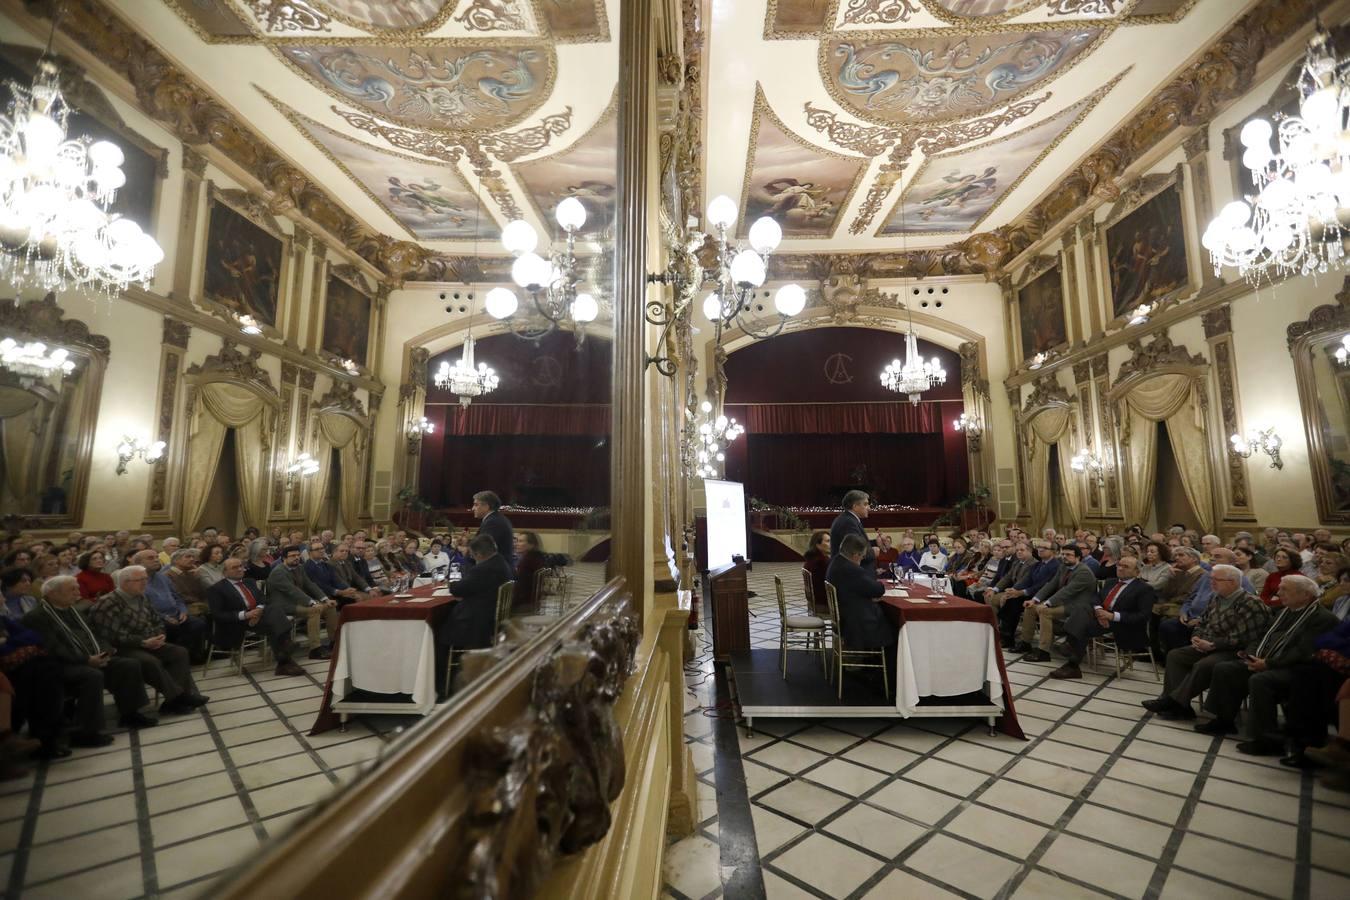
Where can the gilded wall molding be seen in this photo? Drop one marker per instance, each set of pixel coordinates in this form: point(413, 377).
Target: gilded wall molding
point(233, 364)
point(45, 321)
point(1046, 391)
point(1217, 321)
point(1156, 357)
point(342, 397)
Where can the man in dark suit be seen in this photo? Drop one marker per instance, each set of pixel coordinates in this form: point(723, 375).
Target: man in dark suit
point(238, 605)
point(1074, 588)
point(857, 505)
point(862, 624)
point(472, 622)
point(1123, 611)
point(487, 509)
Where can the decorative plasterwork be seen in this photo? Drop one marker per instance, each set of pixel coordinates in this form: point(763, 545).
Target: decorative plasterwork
point(878, 12)
point(1037, 266)
point(251, 207)
point(585, 169)
point(43, 320)
point(972, 373)
point(1324, 318)
point(288, 17)
point(493, 15)
point(404, 17)
point(176, 333)
point(1137, 193)
point(572, 21)
point(1045, 391)
point(1159, 356)
point(342, 396)
point(962, 12)
point(232, 364)
point(1218, 321)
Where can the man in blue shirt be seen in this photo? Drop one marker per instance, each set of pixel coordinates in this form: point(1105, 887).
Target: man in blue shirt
point(1040, 573)
point(324, 575)
point(181, 628)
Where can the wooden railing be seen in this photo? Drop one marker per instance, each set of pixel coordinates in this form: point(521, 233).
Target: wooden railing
point(410, 825)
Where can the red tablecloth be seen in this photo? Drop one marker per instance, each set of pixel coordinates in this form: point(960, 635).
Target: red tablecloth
point(958, 609)
point(432, 612)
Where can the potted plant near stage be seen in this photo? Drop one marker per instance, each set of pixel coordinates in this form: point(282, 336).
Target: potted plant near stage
point(413, 510)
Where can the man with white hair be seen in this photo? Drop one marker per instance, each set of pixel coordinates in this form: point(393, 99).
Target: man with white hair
point(87, 664)
point(1233, 619)
point(182, 628)
point(167, 548)
point(1263, 672)
point(128, 621)
point(1207, 545)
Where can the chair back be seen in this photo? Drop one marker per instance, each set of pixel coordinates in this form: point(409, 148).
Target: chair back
point(810, 591)
point(782, 600)
point(833, 599)
point(504, 603)
point(541, 577)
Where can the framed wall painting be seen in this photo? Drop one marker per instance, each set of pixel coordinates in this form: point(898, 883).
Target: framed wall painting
point(242, 270)
point(346, 320)
point(1041, 320)
point(1145, 247)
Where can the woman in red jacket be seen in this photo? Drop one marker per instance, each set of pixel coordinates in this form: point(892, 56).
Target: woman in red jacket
point(94, 582)
point(1287, 562)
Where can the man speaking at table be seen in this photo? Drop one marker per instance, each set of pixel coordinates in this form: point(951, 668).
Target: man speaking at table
point(472, 622)
point(862, 624)
point(857, 505)
point(487, 509)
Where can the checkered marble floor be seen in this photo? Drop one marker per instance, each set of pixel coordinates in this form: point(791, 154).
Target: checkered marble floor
point(1101, 801)
point(163, 811)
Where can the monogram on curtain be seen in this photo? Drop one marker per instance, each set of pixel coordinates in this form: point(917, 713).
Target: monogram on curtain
point(1173, 399)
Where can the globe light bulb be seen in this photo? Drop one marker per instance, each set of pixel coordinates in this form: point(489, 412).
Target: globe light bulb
point(712, 307)
point(41, 136)
point(765, 235)
point(584, 308)
point(1256, 133)
point(1235, 213)
point(501, 302)
point(1319, 109)
point(530, 271)
point(105, 155)
point(790, 299)
point(519, 237)
point(747, 268)
point(571, 214)
point(722, 211)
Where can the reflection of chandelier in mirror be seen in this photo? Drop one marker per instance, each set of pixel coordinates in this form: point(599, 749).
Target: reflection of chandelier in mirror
point(739, 270)
point(1263, 439)
point(32, 359)
point(303, 466)
point(1292, 225)
point(1086, 462)
point(132, 447)
point(970, 427)
point(715, 433)
point(912, 375)
point(551, 283)
point(56, 231)
point(1343, 351)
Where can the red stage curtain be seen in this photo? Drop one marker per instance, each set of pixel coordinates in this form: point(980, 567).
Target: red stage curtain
point(839, 418)
point(556, 419)
point(551, 470)
point(800, 469)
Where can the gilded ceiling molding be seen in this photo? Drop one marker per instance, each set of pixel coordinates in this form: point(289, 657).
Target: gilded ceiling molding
point(339, 9)
point(341, 396)
point(492, 15)
point(171, 97)
point(1222, 74)
point(566, 22)
point(938, 10)
point(869, 140)
point(796, 20)
point(1327, 317)
point(1083, 7)
point(879, 12)
point(288, 16)
point(1164, 18)
point(447, 267)
point(972, 373)
point(886, 265)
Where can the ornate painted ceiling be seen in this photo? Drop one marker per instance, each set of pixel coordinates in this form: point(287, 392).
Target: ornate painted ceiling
point(435, 121)
point(911, 124)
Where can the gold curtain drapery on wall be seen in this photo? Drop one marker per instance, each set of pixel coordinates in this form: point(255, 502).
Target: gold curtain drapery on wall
point(20, 414)
point(225, 405)
point(336, 431)
point(1172, 399)
point(1044, 430)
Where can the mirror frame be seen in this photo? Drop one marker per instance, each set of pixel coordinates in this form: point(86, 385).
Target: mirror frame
point(1304, 336)
point(45, 321)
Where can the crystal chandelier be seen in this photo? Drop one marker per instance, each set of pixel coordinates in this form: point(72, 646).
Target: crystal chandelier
point(1342, 353)
point(465, 378)
point(913, 375)
point(739, 270)
point(32, 359)
point(715, 435)
point(56, 231)
point(550, 282)
point(1291, 226)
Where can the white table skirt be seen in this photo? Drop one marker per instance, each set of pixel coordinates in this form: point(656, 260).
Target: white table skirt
point(945, 659)
point(395, 656)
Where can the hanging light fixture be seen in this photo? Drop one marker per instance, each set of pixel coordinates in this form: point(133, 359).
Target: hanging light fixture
point(33, 359)
point(56, 228)
point(739, 270)
point(970, 427)
point(1343, 351)
point(912, 375)
point(551, 282)
point(1292, 226)
point(466, 378)
point(715, 434)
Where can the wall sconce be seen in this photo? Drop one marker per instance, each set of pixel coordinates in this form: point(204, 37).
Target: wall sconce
point(1263, 439)
point(350, 366)
point(1086, 462)
point(248, 324)
point(1141, 314)
point(971, 428)
point(131, 447)
point(304, 466)
point(1343, 351)
point(415, 431)
point(1038, 360)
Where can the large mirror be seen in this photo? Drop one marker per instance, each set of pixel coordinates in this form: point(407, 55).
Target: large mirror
point(47, 417)
point(1324, 394)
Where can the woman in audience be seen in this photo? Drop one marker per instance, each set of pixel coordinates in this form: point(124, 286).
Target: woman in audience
point(410, 560)
point(933, 561)
point(530, 559)
point(393, 569)
point(94, 582)
point(1257, 576)
point(44, 567)
point(1287, 562)
point(379, 577)
point(1336, 597)
point(209, 569)
point(17, 587)
point(66, 558)
point(816, 561)
point(258, 562)
point(1327, 567)
point(909, 556)
point(239, 551)
point(959, 556)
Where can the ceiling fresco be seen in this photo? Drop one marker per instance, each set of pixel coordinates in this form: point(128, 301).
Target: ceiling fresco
point(389, 15)
point(586, 170)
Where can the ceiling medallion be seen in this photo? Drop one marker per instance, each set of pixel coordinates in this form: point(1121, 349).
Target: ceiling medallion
point(879, 12)
point(288, 15)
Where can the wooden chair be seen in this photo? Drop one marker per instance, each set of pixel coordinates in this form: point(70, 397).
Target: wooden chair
point(810, 589)
point(842, 654)
point(812, 628)
point(504, 604)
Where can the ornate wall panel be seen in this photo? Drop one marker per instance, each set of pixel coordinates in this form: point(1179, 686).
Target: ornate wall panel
point(1218, 325)
point(159, 504)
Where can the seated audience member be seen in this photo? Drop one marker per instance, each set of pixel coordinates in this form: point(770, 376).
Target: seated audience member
point(348, 574)
point(862, 624)
point(66, 558)
point(887, 553)
point(1176, 632)
point(182, 573)
point(258, 561)
point(1313, 567)
point(88, 665)
point(933, 561)
point(238, 605)
point(12, 747)
point(1337, 597)
point(1072, 590)
point(1011, 602)
point(472, 622)
point(1287, 562)
point(182, 628)
point(17, 585)
point(1180, 585)
point(93, 581)
point(35, 676)
point(410, 560)
point(1264, 674)
point(209, 565)
point(1122, 611)
point(994, 564)
point(436, 560)
point(1232, 619)
point(1328, 564)
point(167, 548)
point(1207, 544)
point(1017, 561)
point(327, 579)
point(289, 587)
point(17, 559)
point(816, 561)
point(372, 568)
point(1250, 569)
point(530, 558)
point(44, 567)
point(389, 561)
point(126, 620)
point(908, 560)
point(1317, 689)
point(958, 558)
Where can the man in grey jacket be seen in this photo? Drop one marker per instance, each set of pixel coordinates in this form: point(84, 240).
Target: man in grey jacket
point(289, 586)
point(1074, 587)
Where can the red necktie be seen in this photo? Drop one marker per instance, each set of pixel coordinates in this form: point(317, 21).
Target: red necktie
point(249, 602)
point(1111, 597)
